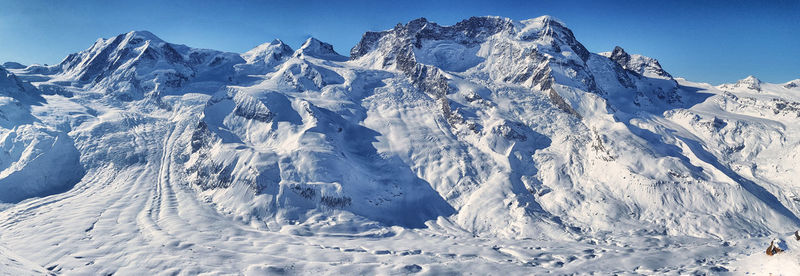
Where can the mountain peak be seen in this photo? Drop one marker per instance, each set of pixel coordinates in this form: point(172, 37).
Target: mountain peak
point(749, 79)
point(618, 51)
point(312, 42)
point(318, 49)
point(750, 82)
point(542, 21)
point(469, 31)
point(13, 65)
point(642, 65)
point(549, 30)
point(144, 35)
point(416, 24)
point(419, 20)
point(132, 39)
point(792, 84)
point(619, 56)
point(274, 42)
point(267, 52)
point(547, 18)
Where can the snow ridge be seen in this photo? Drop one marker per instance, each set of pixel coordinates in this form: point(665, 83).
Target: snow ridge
point(133, 65)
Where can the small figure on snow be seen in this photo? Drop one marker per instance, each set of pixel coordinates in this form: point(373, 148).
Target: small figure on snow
point(772, 249)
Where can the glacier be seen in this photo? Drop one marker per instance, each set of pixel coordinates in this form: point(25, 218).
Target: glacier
point(489, 145)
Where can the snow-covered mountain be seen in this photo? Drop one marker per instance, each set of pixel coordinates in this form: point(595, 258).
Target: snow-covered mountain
point(507, 140)
point(133, 65)
point(13, 65)
point(263, 58)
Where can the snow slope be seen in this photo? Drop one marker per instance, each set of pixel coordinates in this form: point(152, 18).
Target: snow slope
point(37, 159)
point(11, 264)
point(490, 145)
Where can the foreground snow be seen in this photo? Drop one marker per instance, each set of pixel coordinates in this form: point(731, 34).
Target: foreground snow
point(785, 263)
point(491, 146)
point(12, 264)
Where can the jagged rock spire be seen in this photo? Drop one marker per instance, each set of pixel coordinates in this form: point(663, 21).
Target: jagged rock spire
point(620, 56)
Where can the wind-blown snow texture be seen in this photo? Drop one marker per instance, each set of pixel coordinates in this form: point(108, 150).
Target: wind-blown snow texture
point(490, 145)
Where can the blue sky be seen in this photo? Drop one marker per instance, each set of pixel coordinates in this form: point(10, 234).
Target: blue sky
point(709, 41)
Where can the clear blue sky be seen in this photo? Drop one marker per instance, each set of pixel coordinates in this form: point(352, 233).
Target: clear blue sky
point(710, 41)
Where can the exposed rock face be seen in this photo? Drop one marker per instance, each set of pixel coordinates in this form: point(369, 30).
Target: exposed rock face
point(620, 57)
point(638, 64)
point(792, 84)
point(649, 82)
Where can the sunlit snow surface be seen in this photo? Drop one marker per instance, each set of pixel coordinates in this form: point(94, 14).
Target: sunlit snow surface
point(139, 157)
